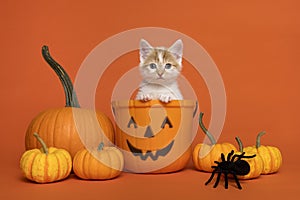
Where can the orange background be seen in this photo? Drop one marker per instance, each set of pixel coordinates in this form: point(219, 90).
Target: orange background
point(254, 44)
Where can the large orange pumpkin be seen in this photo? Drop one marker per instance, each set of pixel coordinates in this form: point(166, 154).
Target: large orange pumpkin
point(155, 137)
point(70, 127)
point(204, 155)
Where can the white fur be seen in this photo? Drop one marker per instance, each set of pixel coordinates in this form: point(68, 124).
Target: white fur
point(159, 83)
point(176, 49)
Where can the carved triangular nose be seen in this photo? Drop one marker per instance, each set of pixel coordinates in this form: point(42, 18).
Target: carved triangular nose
point(149, 132)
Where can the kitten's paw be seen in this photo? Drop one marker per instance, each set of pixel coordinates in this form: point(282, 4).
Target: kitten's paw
point(144, 97)
point(165, 98)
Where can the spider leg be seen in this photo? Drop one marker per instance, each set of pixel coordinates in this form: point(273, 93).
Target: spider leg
point(218, 179)
point(211, 177)
point(237, 181)
point(226, 180)
point(229, 155)
point(239, 157)
point(223, 157)
point(217, 162)
point(252, 156)
point(242, 156)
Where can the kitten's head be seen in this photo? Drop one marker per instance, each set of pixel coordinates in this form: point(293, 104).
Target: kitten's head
point(159, 64)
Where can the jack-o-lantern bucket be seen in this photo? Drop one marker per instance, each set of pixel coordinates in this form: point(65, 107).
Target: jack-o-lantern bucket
point(155, 137)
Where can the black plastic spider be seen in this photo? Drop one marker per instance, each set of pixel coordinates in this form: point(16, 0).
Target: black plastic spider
point(229, 166)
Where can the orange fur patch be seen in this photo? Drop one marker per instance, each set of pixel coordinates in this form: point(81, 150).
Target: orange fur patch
point(161, 57)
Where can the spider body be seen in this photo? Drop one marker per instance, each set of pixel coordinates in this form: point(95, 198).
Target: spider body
point(230, 166)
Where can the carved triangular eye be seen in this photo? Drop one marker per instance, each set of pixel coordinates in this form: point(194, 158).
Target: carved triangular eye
point(166, 121)
point(131, 121)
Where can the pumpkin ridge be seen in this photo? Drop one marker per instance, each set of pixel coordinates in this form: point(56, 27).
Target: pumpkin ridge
point(269, 152)
point(100, 118)
point(66, 168)
point(93, 162)
point(273, 160)
point(42, 118)
point(33, 170)
point(211, 160)
point(278, 161)
point(200, 159)
point(278, 155)
point(54, 130)
point(120, 157)
point(31, 165)
point(47, 177)
point(69, 132)
point(85, 170)
point(43, 125)
point(75, 165)
point(194, 158)
point(59, 175)
point(111, 168)
point(69, 159)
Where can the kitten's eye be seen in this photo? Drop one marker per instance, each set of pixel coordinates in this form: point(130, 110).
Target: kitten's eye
point(152, 66)
point(168, 66)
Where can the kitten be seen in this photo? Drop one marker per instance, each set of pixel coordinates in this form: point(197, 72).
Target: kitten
point(160, 68)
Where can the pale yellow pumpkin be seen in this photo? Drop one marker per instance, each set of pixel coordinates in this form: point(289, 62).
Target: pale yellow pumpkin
point(256, 163)
point(46, 165)
point(270, 155)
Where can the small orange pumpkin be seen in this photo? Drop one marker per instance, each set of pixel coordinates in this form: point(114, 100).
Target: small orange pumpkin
point(102, 163)
point(256, 163)
point(270, 155)
point(46, 165)
point(71, 127)
point(204, 155)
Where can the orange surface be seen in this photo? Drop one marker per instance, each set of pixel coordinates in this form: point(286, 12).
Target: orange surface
point(255, 45)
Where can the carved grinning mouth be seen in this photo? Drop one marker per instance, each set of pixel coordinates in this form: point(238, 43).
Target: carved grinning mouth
point(154, 156)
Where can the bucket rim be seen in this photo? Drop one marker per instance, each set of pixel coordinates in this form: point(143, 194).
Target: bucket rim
point(153, 103)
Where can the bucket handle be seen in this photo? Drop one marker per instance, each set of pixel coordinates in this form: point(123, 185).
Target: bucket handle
point(196, 108)
point(113, 110)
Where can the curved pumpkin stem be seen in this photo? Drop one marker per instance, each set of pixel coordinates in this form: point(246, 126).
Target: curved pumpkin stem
point(70, 95)
point(209, 135)
point(241, 147)
point(258, 138)
point(41, 141)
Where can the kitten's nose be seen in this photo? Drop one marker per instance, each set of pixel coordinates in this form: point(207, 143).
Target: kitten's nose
point(160, 73)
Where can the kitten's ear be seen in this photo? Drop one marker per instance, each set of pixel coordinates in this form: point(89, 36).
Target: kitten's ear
point(176, 49)
point(145, 49)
